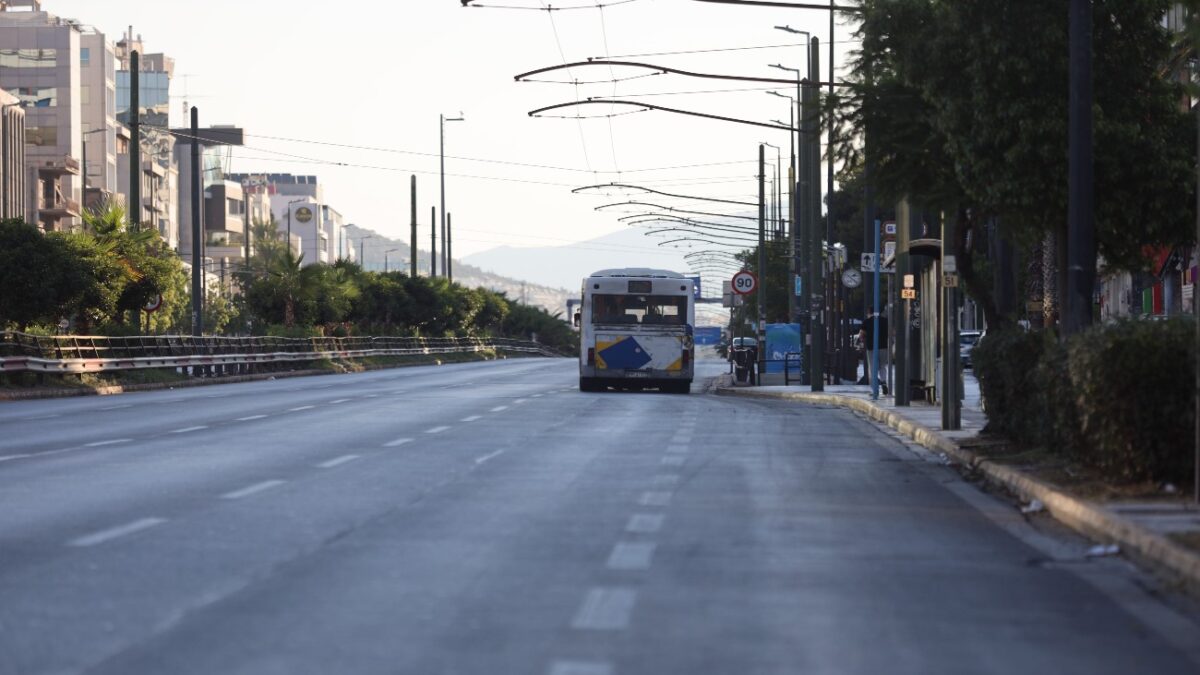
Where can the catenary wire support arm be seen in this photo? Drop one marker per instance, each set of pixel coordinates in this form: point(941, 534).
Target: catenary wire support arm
point(651, 106)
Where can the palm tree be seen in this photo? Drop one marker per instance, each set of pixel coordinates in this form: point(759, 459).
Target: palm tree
point(293, 282)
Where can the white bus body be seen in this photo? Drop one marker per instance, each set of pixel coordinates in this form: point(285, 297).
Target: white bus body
point(635, 328)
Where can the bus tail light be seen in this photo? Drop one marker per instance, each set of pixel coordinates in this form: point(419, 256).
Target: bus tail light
point(591, 356)
point(687, 358)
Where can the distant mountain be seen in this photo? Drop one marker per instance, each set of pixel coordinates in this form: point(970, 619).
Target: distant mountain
point(565, 266)
point(536, 294)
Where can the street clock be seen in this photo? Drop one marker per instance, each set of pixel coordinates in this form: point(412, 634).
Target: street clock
point(851, 278)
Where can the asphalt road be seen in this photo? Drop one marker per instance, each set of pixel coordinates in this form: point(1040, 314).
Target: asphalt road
point(489, 518)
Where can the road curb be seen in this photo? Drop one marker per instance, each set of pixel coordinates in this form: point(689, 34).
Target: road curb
point(1082, 515)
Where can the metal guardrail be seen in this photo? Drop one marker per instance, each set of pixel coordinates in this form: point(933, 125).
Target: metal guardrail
point(75, 354)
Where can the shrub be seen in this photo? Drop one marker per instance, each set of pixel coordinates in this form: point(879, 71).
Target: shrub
point(1133, 384)
point(1006, 365)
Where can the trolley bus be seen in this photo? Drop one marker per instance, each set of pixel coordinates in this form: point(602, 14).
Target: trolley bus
point(635, 328)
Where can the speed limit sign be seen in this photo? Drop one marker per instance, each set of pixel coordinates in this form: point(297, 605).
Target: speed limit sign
point(744, 282)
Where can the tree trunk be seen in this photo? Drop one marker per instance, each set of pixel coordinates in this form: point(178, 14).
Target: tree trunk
point(967, 233)
point(1004, 273)
point(1034, 282)
point(1050, 286)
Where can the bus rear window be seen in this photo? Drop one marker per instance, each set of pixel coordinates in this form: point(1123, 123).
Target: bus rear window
point(640, 309)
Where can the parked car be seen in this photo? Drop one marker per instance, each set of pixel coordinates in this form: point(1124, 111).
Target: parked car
point(967, 340)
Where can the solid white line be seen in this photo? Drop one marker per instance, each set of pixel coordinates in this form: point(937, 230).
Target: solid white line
point(252, 417)
point(118, 407)
point(644, 523)
point(398, 441)
point(499, 408)
point(97, 444)
point(655, 499)
point(337, 461)
point(115, 532)
point(436, 430)
point(485, 458)
point(303, 407)
point(340, 400)
point(251, 489)
point(673, 460)
point(472, 418)
point(605, 609)
point(631, 555)
point(580, 668)
point(189, 429)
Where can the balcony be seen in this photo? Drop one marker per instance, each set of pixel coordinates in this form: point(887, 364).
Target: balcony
point(59, 208)
point(59, 166)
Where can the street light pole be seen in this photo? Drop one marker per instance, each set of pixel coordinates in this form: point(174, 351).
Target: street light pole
point(362, 259)
point(442, 119)
point(762, 261)
point(385, 258)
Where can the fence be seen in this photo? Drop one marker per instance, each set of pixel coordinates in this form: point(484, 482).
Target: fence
point(77, 354)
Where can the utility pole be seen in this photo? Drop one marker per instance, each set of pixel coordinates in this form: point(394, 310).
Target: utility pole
point(412, 253)
point(246, 221)
point(197, 261)
point(815, 265)
point(762, 262)
point(135, 161)
point(433, 241)
point(449, 249)
point(1081, 230)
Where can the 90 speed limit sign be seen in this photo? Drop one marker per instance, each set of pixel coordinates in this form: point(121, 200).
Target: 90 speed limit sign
point(744, 282)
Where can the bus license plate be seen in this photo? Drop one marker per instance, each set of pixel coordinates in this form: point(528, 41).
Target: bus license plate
point(636, 373)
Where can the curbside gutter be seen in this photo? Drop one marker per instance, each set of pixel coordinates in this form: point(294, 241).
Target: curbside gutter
point(1086, 517)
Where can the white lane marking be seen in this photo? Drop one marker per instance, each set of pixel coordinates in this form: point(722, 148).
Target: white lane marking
point(605, 609)
point(43, 417)
point(536, 396)
point(7, 458)
point(666, 479)
point(187, 430)
point(337, 461)
point(371, 396)
point(631, 555)
point(655, 498)
point(521, 400)
point(644, 523)
point(485, 458)
point(118, 407)
point(677, 448)
point(251, 417)
point(340, 400)
point(580, 668)
point(499, 408)
point(252, 489)
point(116, 532)
point(97, 444)
point(436, 430)
point(303, 407)
point(398, 441)
point(216, 396)
point(472, 418)
point(673, 460)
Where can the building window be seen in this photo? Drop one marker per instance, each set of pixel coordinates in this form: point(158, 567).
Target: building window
point(85, 94)
point(36, 97)
point(41, 136)
point(85, 56)
point(235, 207)
point(28, 58)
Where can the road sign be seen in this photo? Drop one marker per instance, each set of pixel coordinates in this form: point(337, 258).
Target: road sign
point(744, 282)
point(799, 283)
point(950, 280)
point(851, 278)
point(908, 293)
point(153, 304)
point(949, 263)
point(867, 264)
point(889, 228)
point(910, 280)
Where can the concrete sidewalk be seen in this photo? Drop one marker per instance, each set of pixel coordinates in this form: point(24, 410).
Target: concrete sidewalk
point(1141, 528)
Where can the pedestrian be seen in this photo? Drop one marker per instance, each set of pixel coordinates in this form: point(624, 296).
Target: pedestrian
point(866, 337)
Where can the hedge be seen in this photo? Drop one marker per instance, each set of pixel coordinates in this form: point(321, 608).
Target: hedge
point(1118, 397)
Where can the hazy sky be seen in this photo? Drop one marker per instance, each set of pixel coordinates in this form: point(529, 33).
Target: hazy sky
point(307, 80)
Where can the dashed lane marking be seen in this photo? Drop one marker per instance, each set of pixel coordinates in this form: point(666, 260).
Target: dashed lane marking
point(436, 430)
point(251, 417)
point(472, 418)
point(605, 609)
point(303, 407)
point(489, 456)
point(580, 668)
point(535, 396)
point(644, 523)
point(252, 489)
point(337, 461)
point(118, 407)
point(117, 532)
point(97, 444)
point(655, 498)
point(188, 430)
point(398, 441)
point(500, 408)
point(340, 400)
point(521, 400)
point(631, 555)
